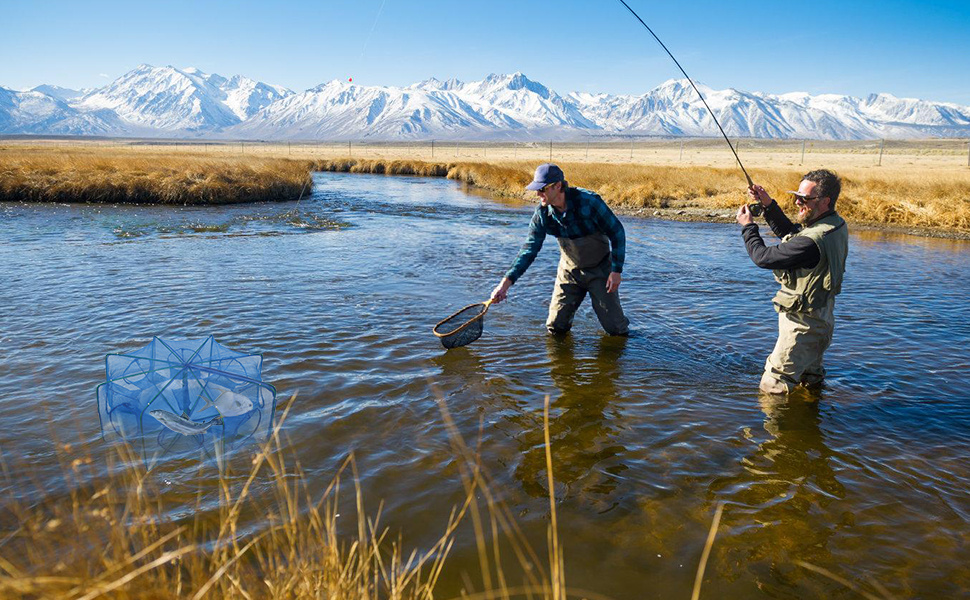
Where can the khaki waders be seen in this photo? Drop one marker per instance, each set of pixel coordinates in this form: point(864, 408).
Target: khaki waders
point(806, 310)
point(584, 265)
point(803, 338)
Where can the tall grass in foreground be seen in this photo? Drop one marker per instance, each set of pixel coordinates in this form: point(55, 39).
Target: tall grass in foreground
point(930, 200)
point(114, 177)
point(111, 537)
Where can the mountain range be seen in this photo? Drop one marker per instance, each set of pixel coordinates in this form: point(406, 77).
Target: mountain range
point(187, 103)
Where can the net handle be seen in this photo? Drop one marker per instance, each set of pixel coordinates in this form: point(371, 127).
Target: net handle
point(463, 325)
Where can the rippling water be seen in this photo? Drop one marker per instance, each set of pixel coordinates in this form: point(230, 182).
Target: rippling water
point(649, 433)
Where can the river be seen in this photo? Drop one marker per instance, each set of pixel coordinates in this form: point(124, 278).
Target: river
point(340, 292)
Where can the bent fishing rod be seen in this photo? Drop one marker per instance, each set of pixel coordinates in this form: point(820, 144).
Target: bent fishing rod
point(699, 95)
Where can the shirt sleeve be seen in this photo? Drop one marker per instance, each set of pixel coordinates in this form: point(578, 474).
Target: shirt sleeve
point(529, 251)
point(797, 253)
point(779, 222)
point(607, 222)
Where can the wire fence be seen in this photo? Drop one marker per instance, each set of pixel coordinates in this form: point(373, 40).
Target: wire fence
point(687, 152)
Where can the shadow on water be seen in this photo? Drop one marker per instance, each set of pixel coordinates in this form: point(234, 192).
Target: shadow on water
point(777, 503)
point(585, 450)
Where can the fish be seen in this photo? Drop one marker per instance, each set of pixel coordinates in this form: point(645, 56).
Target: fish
point(181, 424)
point(229, 403)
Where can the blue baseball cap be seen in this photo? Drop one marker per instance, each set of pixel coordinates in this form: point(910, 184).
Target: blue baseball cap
point(545, 174)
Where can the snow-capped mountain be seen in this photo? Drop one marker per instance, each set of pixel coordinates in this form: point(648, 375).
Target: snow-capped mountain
point(340, 110)
point(61, 93)
point(170, 102)
point(173, 100)
point(37, 113)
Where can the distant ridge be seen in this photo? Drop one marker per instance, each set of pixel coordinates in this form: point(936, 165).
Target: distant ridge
point(169, 102)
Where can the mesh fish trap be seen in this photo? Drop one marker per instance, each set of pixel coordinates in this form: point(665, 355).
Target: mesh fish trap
point(170, 397)
point(463, 327)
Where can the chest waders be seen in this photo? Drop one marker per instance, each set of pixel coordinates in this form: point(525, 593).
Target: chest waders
point(584, 265)
point(805, 303)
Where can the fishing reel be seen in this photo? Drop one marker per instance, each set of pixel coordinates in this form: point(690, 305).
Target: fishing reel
point(756, 209)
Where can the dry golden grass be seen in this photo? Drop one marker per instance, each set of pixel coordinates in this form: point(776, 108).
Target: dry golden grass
point(111, 536)
point(932, 201)
point(922, 184)
point(114, 177)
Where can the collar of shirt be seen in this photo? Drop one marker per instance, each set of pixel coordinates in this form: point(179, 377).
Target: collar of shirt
point(556, 215)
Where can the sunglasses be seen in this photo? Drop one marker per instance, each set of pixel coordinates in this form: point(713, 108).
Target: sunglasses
point(546, 187)
point(797, 198)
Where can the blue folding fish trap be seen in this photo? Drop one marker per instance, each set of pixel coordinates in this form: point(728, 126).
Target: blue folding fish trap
point(175, 397)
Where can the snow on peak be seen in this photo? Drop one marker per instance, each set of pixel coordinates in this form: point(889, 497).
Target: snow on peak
point(187, 101)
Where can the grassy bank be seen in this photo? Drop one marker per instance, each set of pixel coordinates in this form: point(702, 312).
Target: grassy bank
point(931, 200)
point(123, 178)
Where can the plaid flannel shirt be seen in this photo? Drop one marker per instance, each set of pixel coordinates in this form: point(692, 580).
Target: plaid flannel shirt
point(586, 213)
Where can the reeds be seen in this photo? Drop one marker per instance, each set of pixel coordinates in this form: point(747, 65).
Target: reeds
point(113, 177)
point(922, 197)
point(111, 536)
point(931, 200)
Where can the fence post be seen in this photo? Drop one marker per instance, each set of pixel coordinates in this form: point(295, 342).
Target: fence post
point(881, 144)
point(587, 147)
point(803, 153)
point(456, 149)
point(432, 148)
point(350, 148)
point(631, 150)
point(515, 151)
point(681, 159)
point(550, 150)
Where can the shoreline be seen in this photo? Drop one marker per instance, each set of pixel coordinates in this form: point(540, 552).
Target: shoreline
point(920, 203)
point(676, 209)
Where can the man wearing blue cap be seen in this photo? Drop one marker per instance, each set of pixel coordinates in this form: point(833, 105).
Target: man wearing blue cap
point(592, 247)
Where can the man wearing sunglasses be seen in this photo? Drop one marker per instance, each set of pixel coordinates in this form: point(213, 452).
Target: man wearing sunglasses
point(592, 247)
point(808, 264)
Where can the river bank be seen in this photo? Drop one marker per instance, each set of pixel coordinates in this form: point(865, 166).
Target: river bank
point(930, 207)
point(918, 201)
point(111, 177)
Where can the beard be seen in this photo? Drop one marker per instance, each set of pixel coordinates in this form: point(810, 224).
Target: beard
point(806, 215)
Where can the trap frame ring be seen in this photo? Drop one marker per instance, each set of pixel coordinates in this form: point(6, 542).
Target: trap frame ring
point(464, 325)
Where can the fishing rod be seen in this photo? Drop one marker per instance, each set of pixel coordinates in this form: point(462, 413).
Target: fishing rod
point(701, 96)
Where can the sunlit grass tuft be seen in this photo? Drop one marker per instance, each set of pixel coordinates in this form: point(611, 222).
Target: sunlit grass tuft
point(107, 177)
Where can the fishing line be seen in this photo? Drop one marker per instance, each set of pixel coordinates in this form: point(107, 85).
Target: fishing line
point(372, 28)
point(701, 96)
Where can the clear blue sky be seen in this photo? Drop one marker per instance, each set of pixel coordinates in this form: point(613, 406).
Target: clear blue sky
point(907, 48)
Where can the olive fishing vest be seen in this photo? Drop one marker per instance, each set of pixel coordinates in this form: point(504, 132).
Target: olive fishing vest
point(809, 289)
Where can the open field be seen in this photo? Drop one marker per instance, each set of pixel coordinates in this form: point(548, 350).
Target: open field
point(919, 184)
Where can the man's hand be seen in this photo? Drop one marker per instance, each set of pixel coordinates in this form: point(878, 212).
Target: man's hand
point(501, 291)
point(744, 216)
point(758, 194)
point(613, 282)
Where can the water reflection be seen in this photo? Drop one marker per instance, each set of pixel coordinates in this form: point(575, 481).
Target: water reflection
point(781, 498)
point(581, 425)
